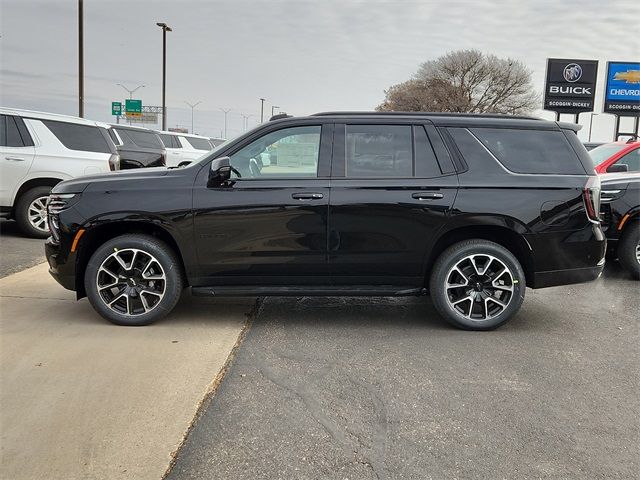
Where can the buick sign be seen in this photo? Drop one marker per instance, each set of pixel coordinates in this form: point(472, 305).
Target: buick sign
point(570, 85)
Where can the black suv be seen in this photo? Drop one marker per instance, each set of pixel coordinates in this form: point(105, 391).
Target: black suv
point(471, 209)
point(138, 147)
point(620, 214)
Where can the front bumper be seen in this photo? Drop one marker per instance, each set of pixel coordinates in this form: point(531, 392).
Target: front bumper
point(61, 267)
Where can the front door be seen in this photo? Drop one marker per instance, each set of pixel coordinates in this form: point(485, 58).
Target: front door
point(389, 197)
point(268, 225)
point(16, 156)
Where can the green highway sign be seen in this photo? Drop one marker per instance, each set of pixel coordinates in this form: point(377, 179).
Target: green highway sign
point(133, 106)
point(116, 108)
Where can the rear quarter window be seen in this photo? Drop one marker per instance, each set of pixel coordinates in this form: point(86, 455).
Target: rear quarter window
point(141, 138)
point(199, 143)
point(85, 138)
point(531, 151)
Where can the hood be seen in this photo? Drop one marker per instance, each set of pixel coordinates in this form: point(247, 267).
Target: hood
point(79, 184)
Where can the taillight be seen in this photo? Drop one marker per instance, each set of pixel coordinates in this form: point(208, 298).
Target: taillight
point(591, 196)
point(114, 162)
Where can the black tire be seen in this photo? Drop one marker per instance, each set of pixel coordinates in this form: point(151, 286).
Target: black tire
point(22, 212)
point(146, 246)
point(468, 313)
point(628, 250)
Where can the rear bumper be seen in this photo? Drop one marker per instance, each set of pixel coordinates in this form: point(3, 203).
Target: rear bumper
point(567, 277)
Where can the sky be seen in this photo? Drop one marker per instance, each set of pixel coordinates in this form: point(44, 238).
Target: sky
point(301, 56)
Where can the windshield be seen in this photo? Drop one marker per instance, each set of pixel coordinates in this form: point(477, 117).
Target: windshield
point(601, 153)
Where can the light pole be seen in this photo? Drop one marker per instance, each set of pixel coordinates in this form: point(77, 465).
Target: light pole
point(245, 122)
point(261, 110)
point(80, 58)
point(272, 108)
point(591, 123)
point(193, 105)
point(130, 94)
point(165, 28)
point(225, 120)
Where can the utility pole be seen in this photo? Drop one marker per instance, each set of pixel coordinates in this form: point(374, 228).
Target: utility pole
point(245, 121)
point(261, 110)
point(225, 120)
point(273, 107)
point(80, 58)
point(165, 29)
point(193, 105)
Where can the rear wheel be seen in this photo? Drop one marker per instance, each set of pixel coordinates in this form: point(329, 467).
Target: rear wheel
point(629, 250)
point(31, 212)
point(133, 280)
point(477, 285)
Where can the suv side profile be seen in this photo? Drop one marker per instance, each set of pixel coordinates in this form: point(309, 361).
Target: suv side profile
point(39, 150)
point(469, 208)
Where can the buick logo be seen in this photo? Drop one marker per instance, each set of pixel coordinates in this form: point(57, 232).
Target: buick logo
point(572, 72)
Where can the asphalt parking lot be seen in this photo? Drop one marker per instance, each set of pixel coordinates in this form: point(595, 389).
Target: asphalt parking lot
point(320, 387)
point(18, 252)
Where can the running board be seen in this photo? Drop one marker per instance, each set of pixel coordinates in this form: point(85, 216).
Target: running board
point(308, 291)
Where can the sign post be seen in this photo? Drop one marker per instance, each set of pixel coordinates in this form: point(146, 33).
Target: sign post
point(622, 97)
point(570, 86)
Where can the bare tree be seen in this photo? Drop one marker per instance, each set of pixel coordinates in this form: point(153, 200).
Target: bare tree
point(465, 81)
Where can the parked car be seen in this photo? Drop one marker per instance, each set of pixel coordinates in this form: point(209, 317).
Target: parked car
point(591, 145)
point(471, 208)
point(138, 147)
point(608, 157)
point(620, 214)
point(38, 150)
point(183, 148)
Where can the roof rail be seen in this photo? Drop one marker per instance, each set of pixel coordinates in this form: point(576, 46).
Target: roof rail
point(430, 114)
point(280, 116)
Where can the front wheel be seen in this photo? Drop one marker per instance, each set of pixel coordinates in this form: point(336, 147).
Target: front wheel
point(629, 250)
point(133, 280)
point(477, 285)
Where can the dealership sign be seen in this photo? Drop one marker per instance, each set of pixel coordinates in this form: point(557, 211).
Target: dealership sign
point(570, 85)
point(623, 88)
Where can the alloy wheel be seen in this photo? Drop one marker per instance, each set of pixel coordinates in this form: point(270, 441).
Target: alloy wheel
point(37, 214)
point(638, 252)
point(479, 287)
point(131, 282)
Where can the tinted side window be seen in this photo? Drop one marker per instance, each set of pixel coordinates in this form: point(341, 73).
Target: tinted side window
point(170, 141)
point(9, 133)
point(286, 153)
point(78, 137)
point(141, 138)
point(531, 151)
point(379, 151)
point(199, 143)
point(632, 160)
point(426, 163)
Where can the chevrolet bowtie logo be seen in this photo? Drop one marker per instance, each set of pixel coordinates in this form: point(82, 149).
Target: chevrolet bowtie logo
point(630, 76)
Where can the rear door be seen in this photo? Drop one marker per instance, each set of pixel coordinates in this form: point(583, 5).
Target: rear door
point(390, 194)
point(268, 225)
point(16, 156)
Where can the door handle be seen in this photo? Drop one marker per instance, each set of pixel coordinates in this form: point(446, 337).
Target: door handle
point(307, 196)
point(427, 196)
point(15, 159)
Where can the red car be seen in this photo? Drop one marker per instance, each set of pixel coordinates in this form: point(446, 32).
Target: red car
point(616, 153)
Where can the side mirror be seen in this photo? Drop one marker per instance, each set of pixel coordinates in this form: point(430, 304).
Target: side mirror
point(219, 172)
point(618, 168)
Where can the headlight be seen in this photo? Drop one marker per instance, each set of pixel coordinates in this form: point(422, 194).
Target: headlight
point(58, 202)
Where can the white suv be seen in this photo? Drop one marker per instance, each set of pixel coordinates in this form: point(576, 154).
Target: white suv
point(183, 147)
point(38, 150)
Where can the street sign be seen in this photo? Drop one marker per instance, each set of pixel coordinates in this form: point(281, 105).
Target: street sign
point(133, 106)
point(570, 85)
point(623, 89)
point(116, 108)
point(144, 117)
